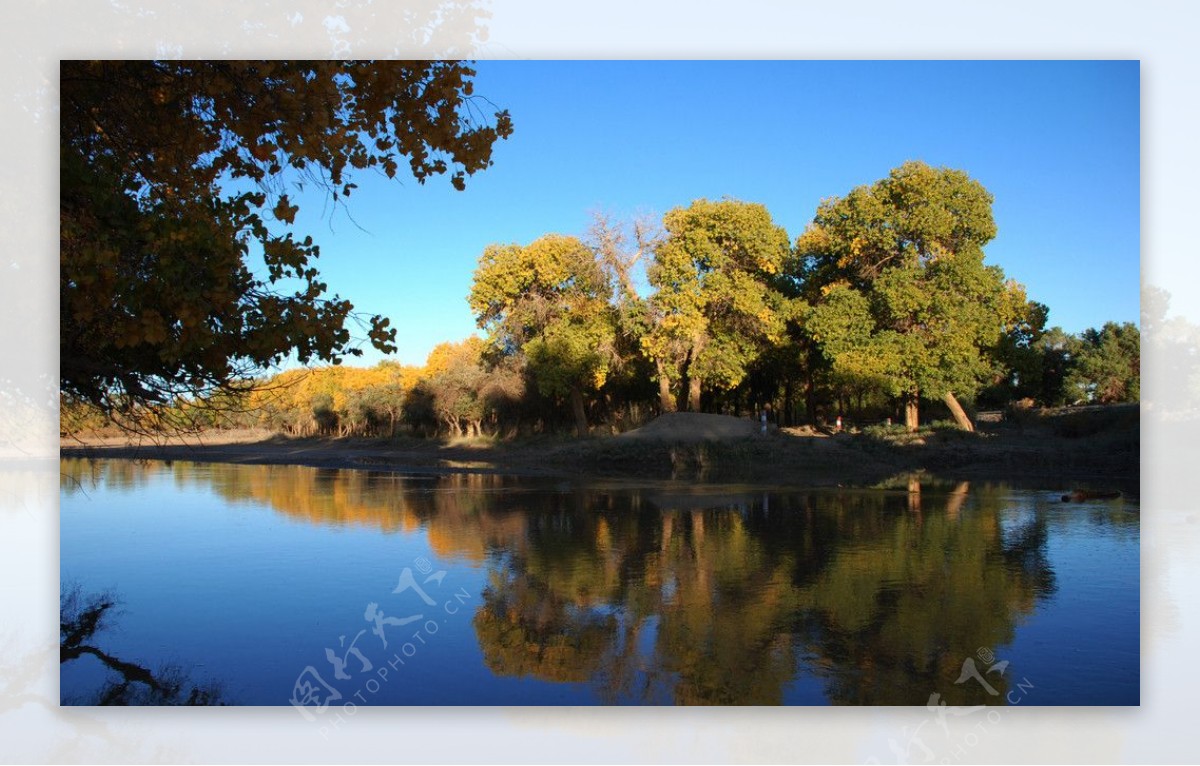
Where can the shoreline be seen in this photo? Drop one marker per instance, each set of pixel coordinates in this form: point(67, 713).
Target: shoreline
point(779, 459)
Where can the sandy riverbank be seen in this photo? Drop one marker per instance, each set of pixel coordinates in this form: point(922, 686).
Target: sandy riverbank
point(701, 448)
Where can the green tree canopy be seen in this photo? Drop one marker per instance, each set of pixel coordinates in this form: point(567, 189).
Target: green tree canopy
point(1058, 351)
point(905, 297)
point(1107, 367)
point(170, 171)
point(715, 304)
point(549, 301)
point(1018, 358)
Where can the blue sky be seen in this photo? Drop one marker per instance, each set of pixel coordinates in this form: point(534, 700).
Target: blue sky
point(1056, 143)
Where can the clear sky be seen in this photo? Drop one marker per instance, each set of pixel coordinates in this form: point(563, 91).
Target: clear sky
point(1056, 143)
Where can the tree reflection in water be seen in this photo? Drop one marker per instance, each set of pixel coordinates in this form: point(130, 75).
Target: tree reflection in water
point(702, 598)
point(882, 596)
point(81, 617)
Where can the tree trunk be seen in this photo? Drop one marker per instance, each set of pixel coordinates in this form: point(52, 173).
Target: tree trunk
point(693, 379)
point(581, 424)
point(785, 417)
point(960, 415)
point(665, 400)
point(911, 416)
point(810, 400)
point(693, 393)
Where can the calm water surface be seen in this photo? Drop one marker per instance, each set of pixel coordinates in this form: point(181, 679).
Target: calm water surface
point(289, 585)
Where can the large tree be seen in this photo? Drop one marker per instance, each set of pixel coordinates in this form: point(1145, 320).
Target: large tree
point(180, 269)
point(715, 306)
point(549, 301)
point(906, 297)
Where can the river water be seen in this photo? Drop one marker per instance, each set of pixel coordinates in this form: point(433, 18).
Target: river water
point(325, 589)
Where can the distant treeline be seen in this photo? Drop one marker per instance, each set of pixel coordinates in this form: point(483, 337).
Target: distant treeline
point(883, 302)
point(462, 391)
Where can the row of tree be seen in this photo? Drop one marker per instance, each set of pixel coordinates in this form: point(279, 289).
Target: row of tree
point(885, 298)
point(1054, 368)
point(883, 301)
point(182, 273)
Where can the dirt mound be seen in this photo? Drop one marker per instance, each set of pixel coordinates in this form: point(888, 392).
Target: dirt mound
point(694, 426)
